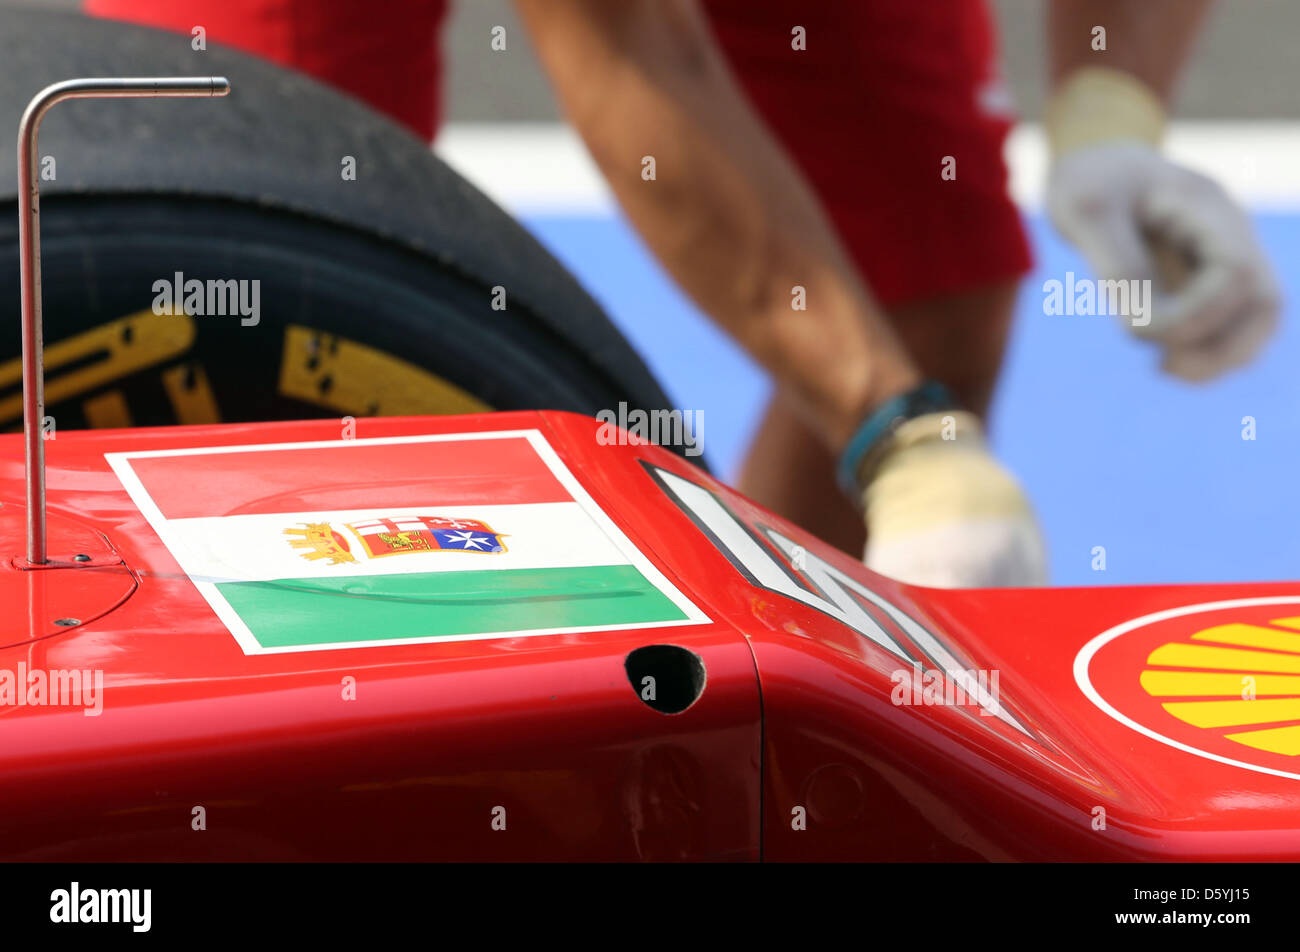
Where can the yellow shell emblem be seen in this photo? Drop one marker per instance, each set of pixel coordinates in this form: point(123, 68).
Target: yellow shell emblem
point(1234, 676)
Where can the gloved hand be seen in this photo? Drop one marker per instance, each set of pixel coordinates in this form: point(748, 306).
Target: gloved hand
point(944, 513)
point(1136, 215)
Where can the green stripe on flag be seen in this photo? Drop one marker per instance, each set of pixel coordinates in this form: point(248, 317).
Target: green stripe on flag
point(302, 612)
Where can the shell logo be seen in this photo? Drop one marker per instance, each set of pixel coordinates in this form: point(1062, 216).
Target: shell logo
point(1220, 680)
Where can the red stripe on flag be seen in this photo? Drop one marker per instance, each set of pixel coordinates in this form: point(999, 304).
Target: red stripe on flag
point(349, 476)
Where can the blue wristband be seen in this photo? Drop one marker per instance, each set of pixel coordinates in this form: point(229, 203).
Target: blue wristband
point(929, 397)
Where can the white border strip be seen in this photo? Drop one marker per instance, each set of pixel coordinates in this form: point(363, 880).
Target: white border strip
point(528, 168)
point(543, 169)
point(120, 463)
point(1085, 655)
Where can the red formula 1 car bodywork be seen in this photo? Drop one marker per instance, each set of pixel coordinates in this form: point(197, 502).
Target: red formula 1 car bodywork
point(829, 713)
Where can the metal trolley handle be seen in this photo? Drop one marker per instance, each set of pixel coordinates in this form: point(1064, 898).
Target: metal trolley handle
point(29, 250)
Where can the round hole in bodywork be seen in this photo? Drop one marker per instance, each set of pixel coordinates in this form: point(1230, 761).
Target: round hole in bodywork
point(668, 678)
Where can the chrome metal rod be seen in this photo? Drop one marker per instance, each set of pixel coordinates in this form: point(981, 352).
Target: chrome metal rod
point(29, 253)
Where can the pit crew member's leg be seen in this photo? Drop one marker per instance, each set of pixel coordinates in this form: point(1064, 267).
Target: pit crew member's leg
point(958, 339)
point(896, 115)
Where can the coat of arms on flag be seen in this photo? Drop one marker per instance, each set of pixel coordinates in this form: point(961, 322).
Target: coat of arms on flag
point(398, 535)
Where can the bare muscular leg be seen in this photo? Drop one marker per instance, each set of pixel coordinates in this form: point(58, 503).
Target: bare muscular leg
point(957, 340)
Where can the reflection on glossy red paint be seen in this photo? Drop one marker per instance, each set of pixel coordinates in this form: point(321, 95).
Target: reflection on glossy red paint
point(540, 748)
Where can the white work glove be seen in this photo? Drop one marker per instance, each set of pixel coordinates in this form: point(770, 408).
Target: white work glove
point(944, 513)
point(1136, 215)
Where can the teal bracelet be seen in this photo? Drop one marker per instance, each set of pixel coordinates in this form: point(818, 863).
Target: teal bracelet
point(929, 397)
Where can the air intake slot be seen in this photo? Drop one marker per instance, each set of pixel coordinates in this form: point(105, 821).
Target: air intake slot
point(667, 678)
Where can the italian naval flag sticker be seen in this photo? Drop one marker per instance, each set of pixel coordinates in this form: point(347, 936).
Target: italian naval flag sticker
point(401, 540)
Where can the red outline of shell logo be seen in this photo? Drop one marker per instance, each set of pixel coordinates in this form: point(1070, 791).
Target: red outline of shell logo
point(1220, 680)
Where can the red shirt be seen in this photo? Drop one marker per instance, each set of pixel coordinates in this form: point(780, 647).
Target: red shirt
point(388, 54)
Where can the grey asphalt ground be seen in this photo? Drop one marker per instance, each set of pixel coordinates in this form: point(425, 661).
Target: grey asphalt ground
point(1245, 66)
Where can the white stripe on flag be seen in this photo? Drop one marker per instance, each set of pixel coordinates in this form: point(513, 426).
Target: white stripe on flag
point(256, 548)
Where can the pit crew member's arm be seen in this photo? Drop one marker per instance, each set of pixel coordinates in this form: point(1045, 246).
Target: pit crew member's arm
point(726, 212)
point(1135, 215)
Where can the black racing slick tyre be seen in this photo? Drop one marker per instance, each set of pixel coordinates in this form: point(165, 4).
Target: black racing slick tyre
point(326, 262)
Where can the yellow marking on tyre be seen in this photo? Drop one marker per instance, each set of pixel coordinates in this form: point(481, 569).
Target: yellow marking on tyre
point(89, 360)
point(107, 411)
point(190, 393)
point(353, 378)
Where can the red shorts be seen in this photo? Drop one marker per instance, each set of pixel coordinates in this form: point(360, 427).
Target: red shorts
point(887, 94)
